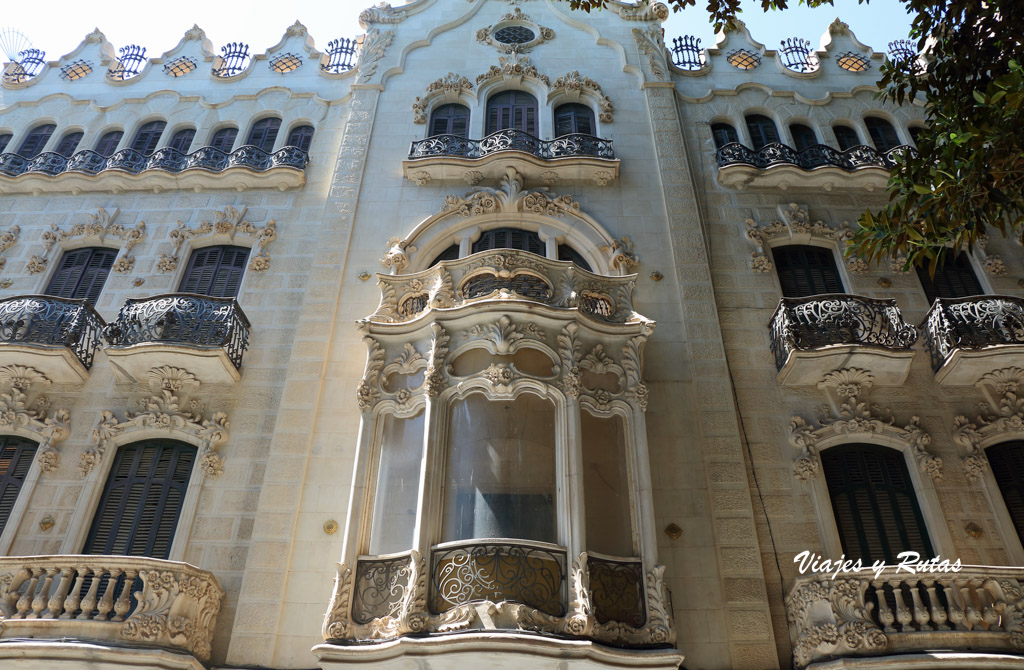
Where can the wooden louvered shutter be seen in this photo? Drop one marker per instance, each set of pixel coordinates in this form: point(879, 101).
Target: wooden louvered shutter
point(846, 137)
point(805, 270)
point(138, 512)
point(16, 456)
point(883, 135)
point(82, 273)
point(874, 503)
point(1007, 461)
point(215, 271)
point(509, 238)
point(954, 279)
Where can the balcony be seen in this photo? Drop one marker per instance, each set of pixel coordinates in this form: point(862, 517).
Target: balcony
point(57, 337)
point(129, 170)
point(948, 616)
point(814, 335)
point(568, 158)
point(969, 337)
point(779, 166)
point(206, 336)
point(48, 602)
point(505, 275)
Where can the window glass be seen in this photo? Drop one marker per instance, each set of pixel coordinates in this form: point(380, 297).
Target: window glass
point(182, 140)
point(108, 143)
point(606, 485)
point(301, 137)
point(883, 135)
point(500, 478)
point(723, 134)
point(398, 485)
point(567, 253)
point(846, 137)
point(450, 120)
point(36, 140)
point(515, 110)
point(224, 139)
point(762, 131)
point(803, 136)
point(805, 270)
point(574, 118)
point(264, 133)
point(69, 143)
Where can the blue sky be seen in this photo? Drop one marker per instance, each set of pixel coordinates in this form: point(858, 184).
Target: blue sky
point(261, 23)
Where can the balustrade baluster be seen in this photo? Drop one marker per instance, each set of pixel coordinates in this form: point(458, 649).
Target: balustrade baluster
point(25, 602)
point(957, 612)
point(56, 604)
point(971, 613)
point(938, 612)
point(75, 596)
point(42, 593)
point(123, 603)
point(903, 613)
point(921, 616)
point(885, 614)
point(89, 601)
point(107, 600)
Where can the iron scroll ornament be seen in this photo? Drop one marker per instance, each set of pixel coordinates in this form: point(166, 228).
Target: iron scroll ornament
point(817, 156)
point(52, 322)
point(972, 323)
point(577, 144)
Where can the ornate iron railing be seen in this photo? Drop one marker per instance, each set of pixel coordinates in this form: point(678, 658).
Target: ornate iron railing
point(129, 64)
point(797, 55)
point(341, 56)
point(166, 159)
point(234, 59)
point(182, 318)
point(512, 140)
point(617, 590)
point(976, 609)
point(44, 320)
point(832, 319)
point(127, 600)
point(972, 323)
point(381, 586)
point(818, 156)
point(498, 571)
point(30, 63)
point(686, 53)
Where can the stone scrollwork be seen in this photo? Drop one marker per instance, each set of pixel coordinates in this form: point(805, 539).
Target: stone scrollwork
point(573, 84)
point(650, 43)
point(510, 198)
point(382, 12)
point(621, 253)
point(226, 224)
point(7, 240)
point(24, 408)
point(851, 414)
point(367, 391)
point(396, 254)
point(451, 87)
point(832, 618)
point(375, 45)
point(168, 409)
point(95, 229)
point(795, 226)
point(541, 33)
point(1003, 414)
point(513, 68)
point(644, 10)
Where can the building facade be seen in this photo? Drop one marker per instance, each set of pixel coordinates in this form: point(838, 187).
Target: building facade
point(501, 336)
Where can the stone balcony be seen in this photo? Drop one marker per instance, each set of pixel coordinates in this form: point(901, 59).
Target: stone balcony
point(819, 167)
point(970, 337)
point(570, 158)
point(814, 335)
point(56, 336)
point(164, 169)
point(206, 336)
point(132, 608)
point(505, 275)
point(967, 619)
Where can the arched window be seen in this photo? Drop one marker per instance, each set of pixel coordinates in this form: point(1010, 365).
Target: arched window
point(567, 253)
point(82, 273)
point(846, 137)
point(36, 140)
point(806, 270)
point(509, 238)
point(450, 120)
point(182, 140)
point(914, 132)
point(215, 271)
point(141, 502)
point(1007, 461)
point(449, 254)
point(224, 139)
point(723, 133)
point(803, 136)
point(264, 133)
point(301, 137)
point(148, 137)
point(515, 110)
point(762, 131)
point(69, 143)
point(954, 278)
point(883, 135)
point(108, 143)
point(874, 503)
point(16, 454)
point(574, 118)
point(5, 139)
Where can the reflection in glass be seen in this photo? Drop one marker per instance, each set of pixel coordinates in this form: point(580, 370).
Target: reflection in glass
point(606, 485)
point(394, 507)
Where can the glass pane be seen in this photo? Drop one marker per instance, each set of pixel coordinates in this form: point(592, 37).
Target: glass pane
point(501, 470)
point(394, 509)
point(606, 485)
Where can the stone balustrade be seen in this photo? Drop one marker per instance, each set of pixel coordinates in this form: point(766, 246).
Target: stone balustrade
point(978, 608)
point(138, 602)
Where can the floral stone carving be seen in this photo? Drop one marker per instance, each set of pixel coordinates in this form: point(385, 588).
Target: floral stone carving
point(1004, 415)
point(23, 409)
point(226, 224)
point(573, 84)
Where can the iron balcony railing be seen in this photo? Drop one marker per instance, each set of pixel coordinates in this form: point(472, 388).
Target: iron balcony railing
point(46, 321)
point(817, 321)
point(166, 159)
point(818, 156)
point(566, 146)
point(972, 323)
point(182, 318)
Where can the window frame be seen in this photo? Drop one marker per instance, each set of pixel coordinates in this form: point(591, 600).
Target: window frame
point(14, 519)
point(858, 142)
point(512, 107)
point(308, 140)
point(262, 131)
point(58, 266)
point(223, 130)
point(575, 111)
point(188, 266)
point(762, 122)
point(450, 119)
point(107, 134)
point(40, 147)
point(148, 136)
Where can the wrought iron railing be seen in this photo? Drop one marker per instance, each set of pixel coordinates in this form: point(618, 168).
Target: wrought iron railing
point(30, 63)
point(182, 318)
point(972, 323)
point(341, 56)
point(617, 590)
point(381, 586)
point(512, 140)
point(797, 55)
point(817, 321)
point(166, 159)
point(498, 571)
point(686, 53)
point(129, 64)
point(47, 321)
point(818, 156)
point(234, 59)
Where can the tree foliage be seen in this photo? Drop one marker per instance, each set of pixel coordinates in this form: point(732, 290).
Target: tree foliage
point(967, 176)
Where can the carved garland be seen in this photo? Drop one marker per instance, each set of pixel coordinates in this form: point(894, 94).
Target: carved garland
point(794, 222)
point(7, 240)
point(1003, 416)
point(572, 84)
point(645, 10)
point(96, 228)
point(226, 224)
point(23, 407)
point(852, 416)
point(451, 86)
point(513, 68)
point(167, 410)
point(850, 628)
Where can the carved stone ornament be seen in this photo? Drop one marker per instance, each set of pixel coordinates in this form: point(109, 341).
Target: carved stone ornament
point(7, 240)
point(573, 85)
point(396, 254)
point(296, 30)
point(857, 266)
point(375, 45)
point(226, 224)
point(358, 612)
point(35, 265)
point(382, 12)
point(24, 408)
point(794, 226)
point(515, 17)
point(829, 618)
point(168, 409)
point(650, 43)
point(95, 229)
point(195, 34)
point(1003, 415)
point(644, 10)
point(451, 87)
point(124, 264)
point(622, 255)
point(851, 415)
point(510, 198)
point(899, 265)
point(513, 68)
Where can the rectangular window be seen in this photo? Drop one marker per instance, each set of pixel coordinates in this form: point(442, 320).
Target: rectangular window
point(606, 485)
point(16, 456)
point(398, 485)
point(215, 271)
point(82, 273)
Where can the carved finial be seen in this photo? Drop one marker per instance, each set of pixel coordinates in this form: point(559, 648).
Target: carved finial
point(95, 37)
point(296, 30)
point(195, 33)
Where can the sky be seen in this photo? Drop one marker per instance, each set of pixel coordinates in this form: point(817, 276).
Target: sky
point(261, 23)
